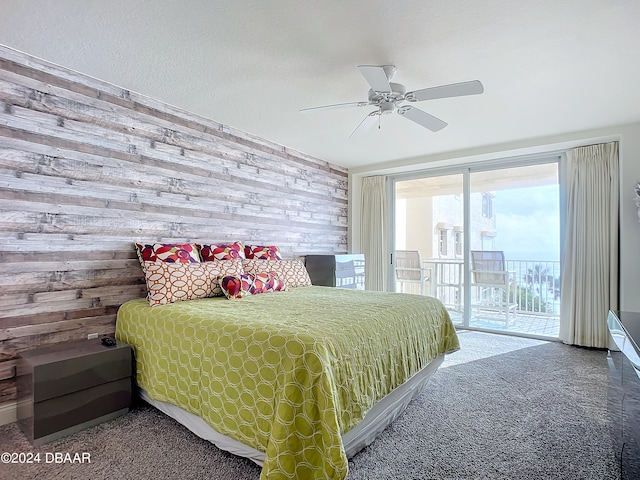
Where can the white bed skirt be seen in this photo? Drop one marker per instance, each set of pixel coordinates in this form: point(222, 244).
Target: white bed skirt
point(375, 421)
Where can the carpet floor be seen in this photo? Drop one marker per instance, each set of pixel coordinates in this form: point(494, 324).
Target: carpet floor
point(500, 408)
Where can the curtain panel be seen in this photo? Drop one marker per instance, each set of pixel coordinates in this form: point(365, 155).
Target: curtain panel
point(590, 251)
point(373, 232)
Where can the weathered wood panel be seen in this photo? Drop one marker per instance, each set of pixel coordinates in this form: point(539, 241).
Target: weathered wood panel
point(87, 168)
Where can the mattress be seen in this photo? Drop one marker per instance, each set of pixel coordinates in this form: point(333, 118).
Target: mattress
point(288, 374)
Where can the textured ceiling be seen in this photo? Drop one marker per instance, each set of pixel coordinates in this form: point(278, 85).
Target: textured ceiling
point(548, 67)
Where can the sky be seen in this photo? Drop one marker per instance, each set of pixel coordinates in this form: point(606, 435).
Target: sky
point(528, 223)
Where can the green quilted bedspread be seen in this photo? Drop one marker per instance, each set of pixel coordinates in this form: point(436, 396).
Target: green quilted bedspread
point(285, 372)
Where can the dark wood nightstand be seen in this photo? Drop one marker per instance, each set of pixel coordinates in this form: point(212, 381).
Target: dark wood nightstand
point(67, 387)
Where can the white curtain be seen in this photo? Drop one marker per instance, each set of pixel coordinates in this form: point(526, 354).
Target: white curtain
point(373, 232)
point(590, 248)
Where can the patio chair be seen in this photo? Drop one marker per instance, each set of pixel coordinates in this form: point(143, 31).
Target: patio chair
point(409, 269)
point(494, 282)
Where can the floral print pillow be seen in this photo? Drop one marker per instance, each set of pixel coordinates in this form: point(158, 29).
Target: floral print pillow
point(262, 252)
point(236, 286)
point(209, 253)
point(266, 282)
point(167, 252)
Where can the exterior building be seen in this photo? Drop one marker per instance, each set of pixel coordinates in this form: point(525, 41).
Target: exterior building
point(433, 225)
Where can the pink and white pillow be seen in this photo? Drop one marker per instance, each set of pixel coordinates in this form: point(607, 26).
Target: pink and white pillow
point(262, 252)
point(239, 286)
point(167, 252)
point(229, 251)
point(236, 286)
point(292, 272)
point(267, 282)
point(175, 282)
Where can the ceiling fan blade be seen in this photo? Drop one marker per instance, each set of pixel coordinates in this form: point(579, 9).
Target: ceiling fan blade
point(365, 124)
point(376, 77)
point(473, 87)
point(422, 118)
point(337, 105)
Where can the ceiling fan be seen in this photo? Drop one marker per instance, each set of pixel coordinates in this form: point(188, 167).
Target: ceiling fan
point(388, 97)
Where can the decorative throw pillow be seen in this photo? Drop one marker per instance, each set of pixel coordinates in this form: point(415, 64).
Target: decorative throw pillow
point(236, 286)
point(209, 253)
point(175, 282)
point(167, 252)
point(292, 272)
point(266, 282)
point(263, 252)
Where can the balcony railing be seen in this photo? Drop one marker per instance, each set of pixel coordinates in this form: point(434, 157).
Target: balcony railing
point(537, 289)
point(534, 289)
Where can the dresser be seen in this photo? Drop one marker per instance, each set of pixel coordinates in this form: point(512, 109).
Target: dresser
point(66, 387)
point(624, 391)
point(336, 270)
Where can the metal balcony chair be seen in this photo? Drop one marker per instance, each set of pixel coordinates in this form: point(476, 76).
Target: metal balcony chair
point(409, 269)
point(494, 282)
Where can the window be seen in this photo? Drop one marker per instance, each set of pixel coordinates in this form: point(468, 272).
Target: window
point(487, 242)
point(442, 242)
point(487, 205)
point(457, 237)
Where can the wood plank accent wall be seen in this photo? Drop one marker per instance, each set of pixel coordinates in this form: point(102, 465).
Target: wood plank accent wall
point(87, 168)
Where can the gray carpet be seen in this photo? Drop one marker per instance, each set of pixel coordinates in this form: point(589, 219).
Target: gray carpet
point(501, 408)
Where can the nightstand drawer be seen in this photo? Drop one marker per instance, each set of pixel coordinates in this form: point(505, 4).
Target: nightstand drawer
point(60, 378)
point(63, 412)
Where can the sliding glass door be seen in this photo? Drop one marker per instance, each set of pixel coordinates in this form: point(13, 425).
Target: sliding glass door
point(485, 241)
point(429, 239)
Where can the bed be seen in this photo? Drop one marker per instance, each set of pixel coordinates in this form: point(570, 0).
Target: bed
point(297, 380)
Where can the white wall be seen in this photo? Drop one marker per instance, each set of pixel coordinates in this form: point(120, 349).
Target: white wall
point(629, 224)
point(627, 135)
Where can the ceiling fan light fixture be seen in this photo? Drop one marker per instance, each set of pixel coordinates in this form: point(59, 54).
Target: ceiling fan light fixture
point(389, 97)
point(387, 107)
point(395, 95)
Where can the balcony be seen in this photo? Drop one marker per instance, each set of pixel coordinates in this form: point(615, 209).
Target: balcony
point(534, 295)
